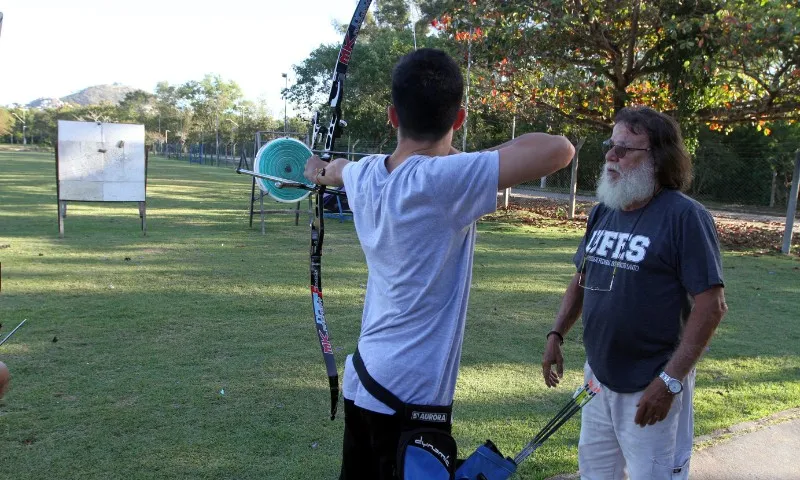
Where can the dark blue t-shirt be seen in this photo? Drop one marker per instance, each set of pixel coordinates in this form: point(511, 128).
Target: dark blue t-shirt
point(664, 254)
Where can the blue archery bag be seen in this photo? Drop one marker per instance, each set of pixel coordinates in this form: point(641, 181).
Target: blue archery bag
point(425, 450)
point(426, 453)
point(486, 463)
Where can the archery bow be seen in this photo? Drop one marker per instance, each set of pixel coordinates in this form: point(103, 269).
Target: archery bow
point(333, 132)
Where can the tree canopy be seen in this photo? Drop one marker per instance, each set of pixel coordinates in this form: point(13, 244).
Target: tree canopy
point(721, 62)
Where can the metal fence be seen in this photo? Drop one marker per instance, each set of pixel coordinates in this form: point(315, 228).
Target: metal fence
point(727, 175)
point(229, 155)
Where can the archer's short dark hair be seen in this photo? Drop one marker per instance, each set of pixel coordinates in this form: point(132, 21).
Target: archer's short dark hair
point(673, 163)
point(427, 88)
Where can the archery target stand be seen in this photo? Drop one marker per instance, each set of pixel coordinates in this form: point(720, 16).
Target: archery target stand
point(100, 162)
point(284, 159)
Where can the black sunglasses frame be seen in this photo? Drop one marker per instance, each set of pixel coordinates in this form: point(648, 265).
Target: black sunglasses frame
point(619, 150)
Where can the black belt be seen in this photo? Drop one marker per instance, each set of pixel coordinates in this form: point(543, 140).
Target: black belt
point(407, 411)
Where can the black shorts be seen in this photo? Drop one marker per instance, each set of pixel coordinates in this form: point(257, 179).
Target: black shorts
point(369, 448)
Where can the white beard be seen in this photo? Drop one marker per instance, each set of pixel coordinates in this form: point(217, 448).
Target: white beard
point(632, 186)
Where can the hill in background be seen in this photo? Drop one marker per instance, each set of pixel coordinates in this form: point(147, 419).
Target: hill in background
point(95, 95)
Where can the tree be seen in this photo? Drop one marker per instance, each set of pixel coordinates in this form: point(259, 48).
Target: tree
point(6, 122)
point(94, 113)
point(208, 101)
point(584, 60)
point(758, 77)
point(392, 14)
point(368, 83)
point(367, 87)
point(137, 106)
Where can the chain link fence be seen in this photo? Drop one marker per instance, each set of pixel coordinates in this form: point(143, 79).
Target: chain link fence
point(229, 154)
point(729, 174)
point(732, 176)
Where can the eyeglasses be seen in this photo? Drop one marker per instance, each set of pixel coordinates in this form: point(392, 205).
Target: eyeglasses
point(619, 150)
point(582, 278)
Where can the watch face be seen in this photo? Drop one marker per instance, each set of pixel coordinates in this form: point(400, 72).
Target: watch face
point(674, 386)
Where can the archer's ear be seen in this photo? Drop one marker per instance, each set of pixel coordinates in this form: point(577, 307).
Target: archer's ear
point(461, 117)
point(391, 112)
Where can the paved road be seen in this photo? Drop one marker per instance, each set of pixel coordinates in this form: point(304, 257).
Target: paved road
point(771, 453)
point(766, 449)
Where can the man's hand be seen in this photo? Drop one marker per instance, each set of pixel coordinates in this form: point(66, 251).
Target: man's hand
point(654, 404)
point(552, 356)
point(314, 165)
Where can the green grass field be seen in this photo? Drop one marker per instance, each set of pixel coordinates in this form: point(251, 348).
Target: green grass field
point(131, 340)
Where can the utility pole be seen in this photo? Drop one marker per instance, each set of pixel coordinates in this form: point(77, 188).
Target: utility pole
point(233, 135)
point(285, 87)
point(413, 18)
point(507, 191)
point(24, 127)
point(466, 103)
point(791, 209)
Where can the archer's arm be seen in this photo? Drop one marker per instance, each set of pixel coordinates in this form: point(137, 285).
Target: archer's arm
point(325, 173)
point(532, 156)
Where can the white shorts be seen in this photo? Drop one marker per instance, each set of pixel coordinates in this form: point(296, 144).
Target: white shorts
point(613, 447)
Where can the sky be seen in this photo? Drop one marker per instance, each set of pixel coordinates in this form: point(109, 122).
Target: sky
point(52, 48)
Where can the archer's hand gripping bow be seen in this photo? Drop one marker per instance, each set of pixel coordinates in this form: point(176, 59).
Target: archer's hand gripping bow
point(333, 132)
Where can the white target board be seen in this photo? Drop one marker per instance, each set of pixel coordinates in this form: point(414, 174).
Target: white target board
point(101, 162)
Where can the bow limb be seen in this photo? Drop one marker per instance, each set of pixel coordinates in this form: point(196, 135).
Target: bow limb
point(333, 132)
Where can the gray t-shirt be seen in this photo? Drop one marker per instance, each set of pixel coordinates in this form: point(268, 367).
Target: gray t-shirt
point(665, 253)
point(416, 226)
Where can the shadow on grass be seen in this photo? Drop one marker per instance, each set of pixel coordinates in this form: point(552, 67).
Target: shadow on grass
point(133, 382)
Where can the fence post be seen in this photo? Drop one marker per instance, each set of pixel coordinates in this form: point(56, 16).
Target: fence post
point(573, 183)
point(791, 208)
point(774, 188)
point(507, 191)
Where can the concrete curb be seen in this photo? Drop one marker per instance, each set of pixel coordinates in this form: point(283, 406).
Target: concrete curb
point(706, 442)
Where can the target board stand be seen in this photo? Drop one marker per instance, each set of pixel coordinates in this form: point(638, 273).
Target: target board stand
point(274, 161)
point(100, 162)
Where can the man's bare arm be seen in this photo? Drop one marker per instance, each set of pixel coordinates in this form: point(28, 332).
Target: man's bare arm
point(532, 156)
point(568, 314)
point(325, 173)
point(709, 308)
point(571, 307)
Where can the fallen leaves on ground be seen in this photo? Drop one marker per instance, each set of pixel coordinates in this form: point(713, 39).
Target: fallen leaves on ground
point(757, 237)
point(542, 212)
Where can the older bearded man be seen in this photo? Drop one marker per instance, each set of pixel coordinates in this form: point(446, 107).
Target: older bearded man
point(649, 284)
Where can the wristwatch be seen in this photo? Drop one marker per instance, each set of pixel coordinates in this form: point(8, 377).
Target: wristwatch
point(673, 384)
